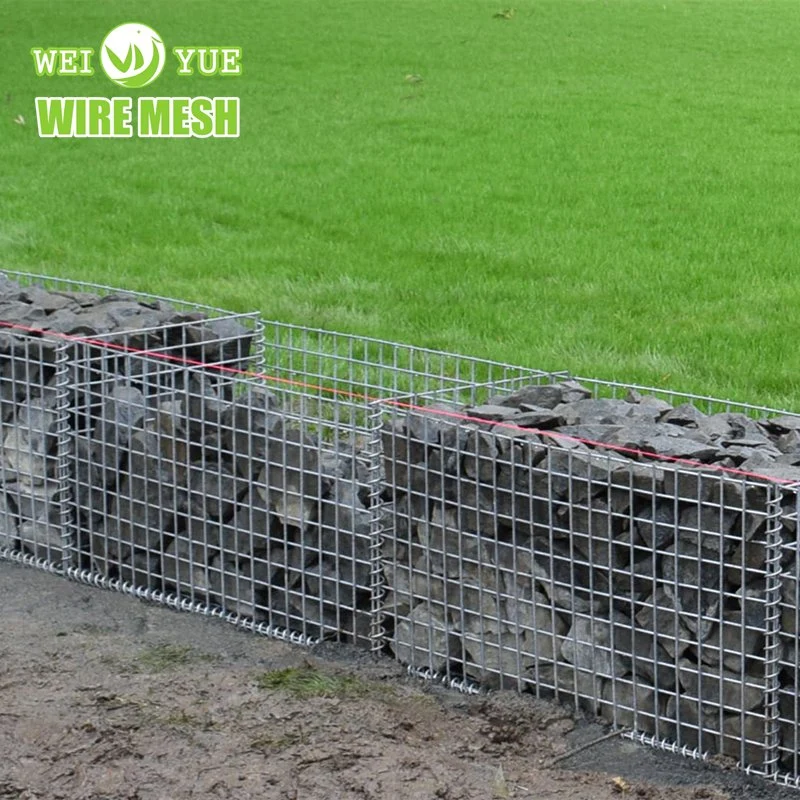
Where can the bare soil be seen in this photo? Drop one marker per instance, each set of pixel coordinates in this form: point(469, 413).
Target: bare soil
point(104, 697)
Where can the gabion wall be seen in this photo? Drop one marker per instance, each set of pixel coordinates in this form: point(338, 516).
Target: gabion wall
point(206, 460)
point(621, 553)
point(632, 553)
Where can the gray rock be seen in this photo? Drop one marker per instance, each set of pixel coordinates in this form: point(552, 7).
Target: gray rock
point(43, 538)
point(591, 646)
point(424, 639)
point(479, 459)
point(492, 413)
point(30, 443)
point(685, 414)
point(403, 455)
point(660, 616)
point(214, 489)
point(499, 661)
point(205, 402)
point(473, 607)
point(783, 423)
point(124, 410)
point(692, 578)
point(688, 725)
point(291, 483)
point(789, 443)
point(634, 705)
point(233, 341)
point(545, 396)
point(33, 502)
point(734, 641)
point(538, 621)
point(9, 528)
point(412, 585)
point(605, 412)
point(657, 526)
point(185, 567)
point(248, 530)
point(592, 527)
point(563, 579)
point(721, 688)
point(712, 528)
point(531, 416)
point(572, 475)
point(245, 425)
point(241, 585)
point(568, 684)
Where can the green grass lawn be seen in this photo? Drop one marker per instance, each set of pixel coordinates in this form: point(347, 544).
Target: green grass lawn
point(610, 188)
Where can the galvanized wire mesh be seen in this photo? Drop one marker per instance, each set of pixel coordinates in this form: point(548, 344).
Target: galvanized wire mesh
point(643, 590)
point(250, 496)
point(38, 380)
point(306, 484)
point(34, 452)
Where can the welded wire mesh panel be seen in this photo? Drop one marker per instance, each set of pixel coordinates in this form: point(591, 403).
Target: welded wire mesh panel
point(789, 644)
point(246, 502)
point(360, 369)
point(524, 551)
point(33, 450)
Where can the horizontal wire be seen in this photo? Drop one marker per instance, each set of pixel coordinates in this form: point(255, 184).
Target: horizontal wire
point(189, 362)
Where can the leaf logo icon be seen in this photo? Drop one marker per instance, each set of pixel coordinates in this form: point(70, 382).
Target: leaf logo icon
point(143, 58)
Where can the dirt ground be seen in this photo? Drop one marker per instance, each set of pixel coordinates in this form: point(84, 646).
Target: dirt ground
point(110, 698)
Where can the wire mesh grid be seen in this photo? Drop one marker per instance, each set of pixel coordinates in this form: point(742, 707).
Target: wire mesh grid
point(643, 590)
point(33, 450)
point(789, 658)
point(258, 503)
point(44, 322)
point(308, 484)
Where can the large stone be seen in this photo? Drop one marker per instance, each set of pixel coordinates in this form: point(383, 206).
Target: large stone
point(546, 395)
point(691, 576)
point(214, 489)
point(291, 482)
point(660, 615)
point(630, 704)
point(721, 688)
point(473, 607)
point(9, 527)
point(124, 410)
point(241, 585)
point(591, 646)
point(736, 640)
point(593, 528)
point(403, 455)
point(43, 538)
point(424, 639)
point(573, 476)
point(567, 683)
point(30, 443)
point(566, 581)
point(685, 414)
point(185, 567)
point(479, 459)
point(34, 502)
point(411, 585)
point(499, 661)
point(245, 425)
point(656, 524)
point(605, 412)
point(538, 621)
point(712, 527)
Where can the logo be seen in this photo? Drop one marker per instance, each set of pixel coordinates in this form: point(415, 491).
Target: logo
point(133, 55)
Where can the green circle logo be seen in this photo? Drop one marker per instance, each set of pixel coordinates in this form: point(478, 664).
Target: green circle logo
point(132, 55)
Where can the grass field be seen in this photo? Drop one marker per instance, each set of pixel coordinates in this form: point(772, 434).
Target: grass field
point(610, 188)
